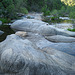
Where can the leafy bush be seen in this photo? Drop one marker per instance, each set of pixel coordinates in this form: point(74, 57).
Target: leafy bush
point(45, 11)
point(73, 30)
point(5, 20)
point(54, 13)
point(72, 14)
point(46, 19)
point(62, 11)
point(11, 12)
point(68, 9)
point(54, 18)
point(24, 10)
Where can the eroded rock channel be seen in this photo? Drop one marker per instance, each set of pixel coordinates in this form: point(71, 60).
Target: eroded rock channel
point(33, 54)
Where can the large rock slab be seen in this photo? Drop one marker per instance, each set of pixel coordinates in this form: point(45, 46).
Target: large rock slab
point(49, 30)
point(68, 48)
point(40, 42)
point(22, 57)
point(31, 25)
point(27, 25)
point(60, 38)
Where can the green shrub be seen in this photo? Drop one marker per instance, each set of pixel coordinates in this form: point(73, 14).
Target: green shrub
point(62, 11)
point(24, 10)
point(46, 19)
point(45, 11)
point(72, 14)
point(5, 20)
point(11, 12)
point(54, 18)
point(73, 30)
point(54, 13)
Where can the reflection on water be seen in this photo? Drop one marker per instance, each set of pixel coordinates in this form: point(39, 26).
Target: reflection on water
point(7, 31)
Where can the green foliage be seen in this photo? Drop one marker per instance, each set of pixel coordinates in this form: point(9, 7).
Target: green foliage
point(73, 30)
point(72, 15)
point(9, 8)
point(68, 9)
point(54, 13)
point(72, 12)
point(54, 18)
point(5, 20)
point(45, 11)
point(11, 11)
point(24, 10)
point(62, 11)
point(69, 2)
point(36, 5)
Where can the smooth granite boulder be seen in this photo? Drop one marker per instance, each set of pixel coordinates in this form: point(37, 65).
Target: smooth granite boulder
point(49, 30)
point(28, 57)
point(27, 25)
point(68, 48)
point(32, 25)
point(60, 38)
point(41, 43)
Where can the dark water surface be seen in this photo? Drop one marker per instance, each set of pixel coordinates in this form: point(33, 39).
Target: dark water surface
point(7, 31)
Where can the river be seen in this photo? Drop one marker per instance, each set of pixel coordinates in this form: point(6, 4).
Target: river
point(62, 23)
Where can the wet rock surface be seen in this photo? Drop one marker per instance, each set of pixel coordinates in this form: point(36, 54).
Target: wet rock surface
point(34, 54)
point(51, 33)
point(26, 56)
point(60, 38)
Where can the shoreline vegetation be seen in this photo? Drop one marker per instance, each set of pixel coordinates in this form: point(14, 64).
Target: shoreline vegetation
point(10, 8)
point(51, 9)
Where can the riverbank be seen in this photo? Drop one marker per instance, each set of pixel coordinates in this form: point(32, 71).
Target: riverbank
point(37, 44)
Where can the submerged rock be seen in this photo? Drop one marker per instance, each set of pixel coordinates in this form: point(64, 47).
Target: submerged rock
point(0, 22)
point(26, 57)
point(1, 32)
